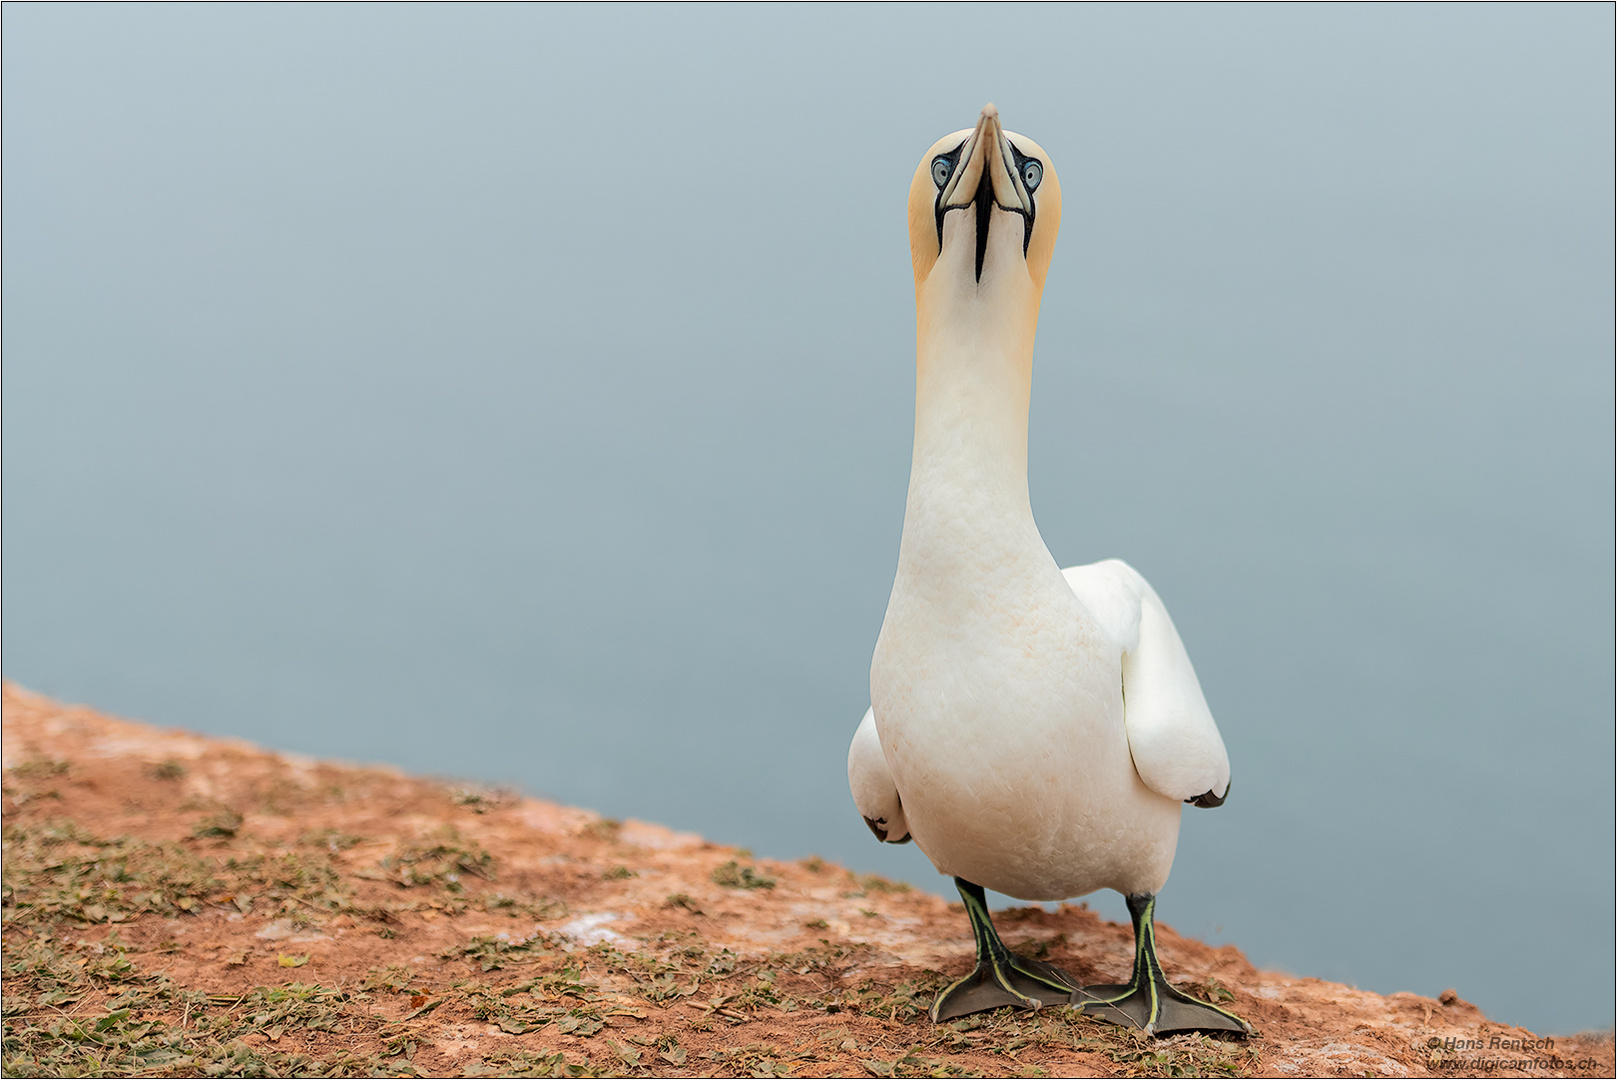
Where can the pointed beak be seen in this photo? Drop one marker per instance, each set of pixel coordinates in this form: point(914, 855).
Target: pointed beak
point(987, 171)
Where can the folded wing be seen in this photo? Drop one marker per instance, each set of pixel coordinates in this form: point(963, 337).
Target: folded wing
point(1176, 746)
point(874, 792)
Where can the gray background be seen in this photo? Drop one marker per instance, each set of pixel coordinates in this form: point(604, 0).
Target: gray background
point(525, 394)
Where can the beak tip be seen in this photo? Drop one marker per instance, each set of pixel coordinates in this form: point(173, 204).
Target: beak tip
point(989, 112)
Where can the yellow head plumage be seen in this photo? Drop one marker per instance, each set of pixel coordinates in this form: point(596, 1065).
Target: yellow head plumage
point(989, 175)
point(985, 207)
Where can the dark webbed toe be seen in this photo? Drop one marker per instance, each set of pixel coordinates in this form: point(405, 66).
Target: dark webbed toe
point(1001, 977)
point(1014, 980)
point(1156, 1009)
point(1147, 1003)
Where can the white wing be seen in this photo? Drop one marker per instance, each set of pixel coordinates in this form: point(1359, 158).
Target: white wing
point(1176, 746)
point(874, 792)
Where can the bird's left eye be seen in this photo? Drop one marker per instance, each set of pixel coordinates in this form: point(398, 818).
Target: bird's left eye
point(1032, 173)
point(942, 169)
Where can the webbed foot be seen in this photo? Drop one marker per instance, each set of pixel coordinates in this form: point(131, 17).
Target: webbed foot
point(1147, 1002)
point(1156, 1009)
point(1015, 981)
point(1000, 977)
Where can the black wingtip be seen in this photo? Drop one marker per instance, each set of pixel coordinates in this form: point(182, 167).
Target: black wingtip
point(1205, 800)
point(878, 826)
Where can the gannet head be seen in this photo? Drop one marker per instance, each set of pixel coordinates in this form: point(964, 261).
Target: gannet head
point(985, 206)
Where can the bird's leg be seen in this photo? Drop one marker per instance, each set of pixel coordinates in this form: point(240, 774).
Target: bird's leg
point(1148, 1002)
point(1000, 977)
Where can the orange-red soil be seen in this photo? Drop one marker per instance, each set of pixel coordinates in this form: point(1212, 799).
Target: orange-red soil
point(822, 974)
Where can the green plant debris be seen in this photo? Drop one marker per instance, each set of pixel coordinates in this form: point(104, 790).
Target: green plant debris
point(682, 900)
point(660, 989)
point(912, 1064)
point(392, 978)
point(141, 1025)
point(165, 770)
point(1181, 1055)
point(329, 839)
point(54, 870)
point(540, 908)
point(908, 1001)
point(626, 1054)
point(39, 769)
point(86, 1010)
point(480, 800)
point(441, 864)
point(619, 873)
point(759, 992)
point(669, 1050)
point(722, 963)
point(524, 1064)
point(732, 875)
point(492, 953)
point(754, 1059)
point(293, 882)
point(821, 957)
point(603, 828)
point(223, 823)
point(558, 1003)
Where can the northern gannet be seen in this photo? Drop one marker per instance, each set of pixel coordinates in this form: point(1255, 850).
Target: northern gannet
point(1034, 730)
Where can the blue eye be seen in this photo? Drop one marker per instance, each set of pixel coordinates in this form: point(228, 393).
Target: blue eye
point(942, 169)
point(1032, 173)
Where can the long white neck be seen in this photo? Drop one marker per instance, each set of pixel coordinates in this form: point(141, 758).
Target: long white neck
point(968, 495)
point(973, 380)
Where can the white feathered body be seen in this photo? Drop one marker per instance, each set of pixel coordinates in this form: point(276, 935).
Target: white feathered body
point(998, 699)
point(1041, 727)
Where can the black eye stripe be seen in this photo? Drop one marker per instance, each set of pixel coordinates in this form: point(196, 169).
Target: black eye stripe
point(1021, 159)
point(1021, 171)
point(953, 158)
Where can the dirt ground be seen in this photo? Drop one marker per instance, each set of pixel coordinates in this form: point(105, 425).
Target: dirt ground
point(182, 906)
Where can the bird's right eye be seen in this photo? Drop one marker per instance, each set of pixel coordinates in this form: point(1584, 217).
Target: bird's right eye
point(942, 169)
